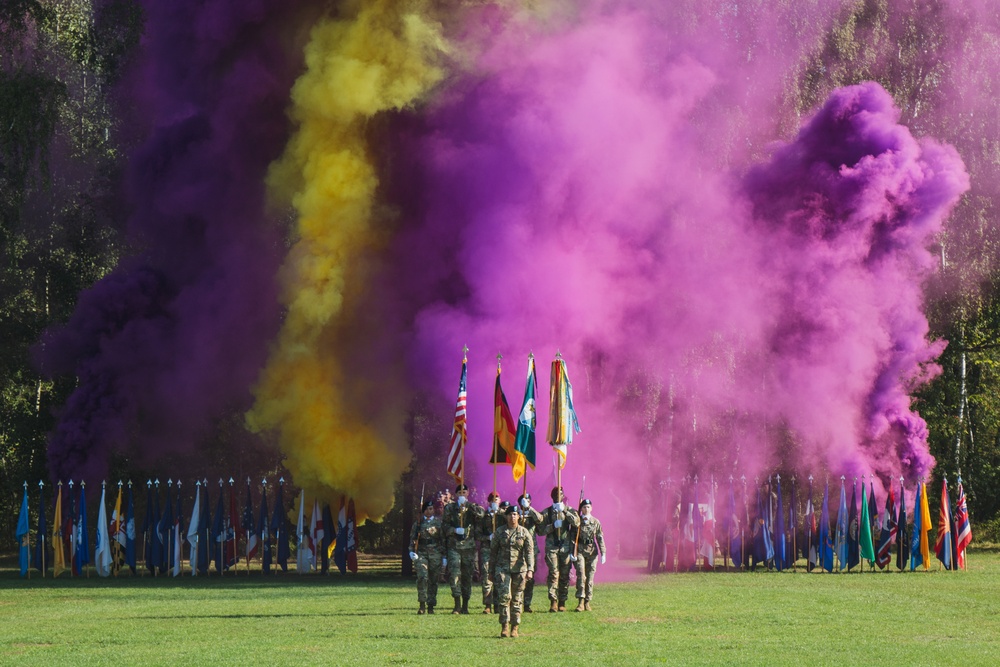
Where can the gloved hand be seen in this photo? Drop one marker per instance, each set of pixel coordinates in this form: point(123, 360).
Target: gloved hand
point(604, 557)
point(444, 562)
point(557, 507)
point(491, 537)
point(413, 555)
point(572, 558)
point(460, 531)
point(557, 523)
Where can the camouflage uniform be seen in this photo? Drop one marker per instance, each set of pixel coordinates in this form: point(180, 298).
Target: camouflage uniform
point(531, 519)
point(589, 549)
point(461, 548)
point(427, 540)
point(486, 527)
point(512, 557)
point(558, 548)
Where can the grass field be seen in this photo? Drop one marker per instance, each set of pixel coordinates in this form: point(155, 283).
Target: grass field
point(934, 618)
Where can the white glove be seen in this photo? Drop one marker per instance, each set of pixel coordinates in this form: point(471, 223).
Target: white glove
point(557, 523)
point(444, 562)
point(491, 537)
point(603, 558)
point(413, 555)
point(557, 507)
point(572, 558)
point(460, 531)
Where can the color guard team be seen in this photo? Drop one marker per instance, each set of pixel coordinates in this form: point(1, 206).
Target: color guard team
point(508, 553)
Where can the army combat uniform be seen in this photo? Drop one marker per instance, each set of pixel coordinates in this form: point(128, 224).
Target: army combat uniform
point(427, 540)
point(512, 557)
point(531, 519)
point(558, 548)
point(589, 549)
point(461, 549)
point(486, 526)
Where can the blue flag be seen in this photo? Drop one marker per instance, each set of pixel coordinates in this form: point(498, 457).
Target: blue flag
point(840, 536)
point(265, 534)
point(763, 547)
point(780, 553)
point(793, 521)
point(825, 544)
point(166, 530)
point(916, 558)
point(130, 531)
point(42, 559)
point(156, 535)
point(340, 550)
point(23, 540)
point(279, 528)
point(82, 554)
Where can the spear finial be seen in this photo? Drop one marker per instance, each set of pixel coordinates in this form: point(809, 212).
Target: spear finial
point(119, 484)
point(178, 485)
point(25, 486)
point(41, 484)
point(104, 484)
point(130, 484)
point(230, 481)
point(281, 480)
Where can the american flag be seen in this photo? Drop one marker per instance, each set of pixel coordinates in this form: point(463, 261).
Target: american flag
point(963, 527)
point(459, 435)
point(888, 532)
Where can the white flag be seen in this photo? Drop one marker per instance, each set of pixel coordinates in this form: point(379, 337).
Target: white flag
point(102, 550)
point(192, 535)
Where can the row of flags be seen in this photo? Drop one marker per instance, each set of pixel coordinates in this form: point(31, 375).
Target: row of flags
point(514, 443)
point(762, 532)
point(262, 534)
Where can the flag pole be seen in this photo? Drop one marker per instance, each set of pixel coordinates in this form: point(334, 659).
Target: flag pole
point(248, 531)
point(746, 520)
point(27, 536)
point(41, 500)
point(83, 485)
point(495, 443)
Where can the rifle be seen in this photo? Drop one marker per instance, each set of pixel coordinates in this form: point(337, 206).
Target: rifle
point(420, 516)
point(576, 542)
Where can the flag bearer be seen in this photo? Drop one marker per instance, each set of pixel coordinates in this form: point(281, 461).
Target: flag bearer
point(513, 561)
point(426, 552)
point(459, 526)
point(487, 525)
point(556, 522)
point(531, 519)
point(588, 542)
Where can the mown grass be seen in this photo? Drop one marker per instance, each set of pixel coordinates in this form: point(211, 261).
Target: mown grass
point(934, 618)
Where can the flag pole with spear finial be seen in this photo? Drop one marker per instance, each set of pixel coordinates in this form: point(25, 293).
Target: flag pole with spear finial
point(496, 443)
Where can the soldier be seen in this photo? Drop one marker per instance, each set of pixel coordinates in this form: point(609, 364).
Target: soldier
point(513, 561)
point(588, 541)
point(427, 553)
point(487, 525)
point(459, 527)
point(531, 519)
point(556, 522)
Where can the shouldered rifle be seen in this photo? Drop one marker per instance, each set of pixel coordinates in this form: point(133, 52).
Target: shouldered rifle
point(576, 542)
point(420, 516)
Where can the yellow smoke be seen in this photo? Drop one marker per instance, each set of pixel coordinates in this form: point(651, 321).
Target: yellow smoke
point(383, 57)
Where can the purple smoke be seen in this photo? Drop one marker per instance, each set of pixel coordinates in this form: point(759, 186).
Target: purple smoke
point(173, 338)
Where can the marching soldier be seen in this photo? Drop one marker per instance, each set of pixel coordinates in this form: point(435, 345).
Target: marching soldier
point(513, 560)
point(426, 552)
point(588, 541)
point(556, 522)
point(459, 527)
point(487, 526)
point(531, 519)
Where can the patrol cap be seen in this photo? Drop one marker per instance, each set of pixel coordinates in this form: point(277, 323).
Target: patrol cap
point(461, 487)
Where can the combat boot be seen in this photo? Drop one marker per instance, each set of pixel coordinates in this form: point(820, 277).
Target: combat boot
point(553, 606)
point(465, 604)
point(513, 631)
point(586, 605)
point(562, 605)
point(458, 605)
point(505, 630)
point(488, 609)
point(527, 609)
point(430, 609)
point(422, 610)
point(579, 606)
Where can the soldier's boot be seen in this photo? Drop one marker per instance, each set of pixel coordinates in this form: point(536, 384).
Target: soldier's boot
point(562, 605)
point(553, 606)
point(527, 609)
point(586, 605)
point(513, 631)
point(488, 609)
point(430, 609)
point(579, 606)
point(505, 630)
point(458, 605)
point(465, 604)
point(422, 610)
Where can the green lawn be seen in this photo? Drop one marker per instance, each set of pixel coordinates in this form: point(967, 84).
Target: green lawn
point(935, 618)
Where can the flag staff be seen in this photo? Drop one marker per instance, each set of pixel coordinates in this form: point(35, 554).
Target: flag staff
point(60, 533)
point(83, 486)
point(729, 530)
point(72, 540)
point(41, 499)
point(524, 480)
point(170, 529)
point(116, 546)
point(222, 522)
point(495, 439)
point(809, 528)
point(861, 561)
point(236, 564)
point(465, 360)
point(746, 520)
point(27, 536)
point(180, 537)
point(248, 530)
point(558, 459)
point(795, 514)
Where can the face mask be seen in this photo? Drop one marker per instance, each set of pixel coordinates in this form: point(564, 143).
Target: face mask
point(525, 503)
point(494, 506)
point(460, 500)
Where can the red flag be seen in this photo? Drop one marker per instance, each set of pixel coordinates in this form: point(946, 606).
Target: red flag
point(504, 431)
point(963, 528)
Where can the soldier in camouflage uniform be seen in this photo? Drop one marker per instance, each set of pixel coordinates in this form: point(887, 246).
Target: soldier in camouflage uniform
point(426, 552)
point(486, 526)
point(513, 561)
point(557, 520)
point(531, 519)
point(588, 542)
point(459, 527)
